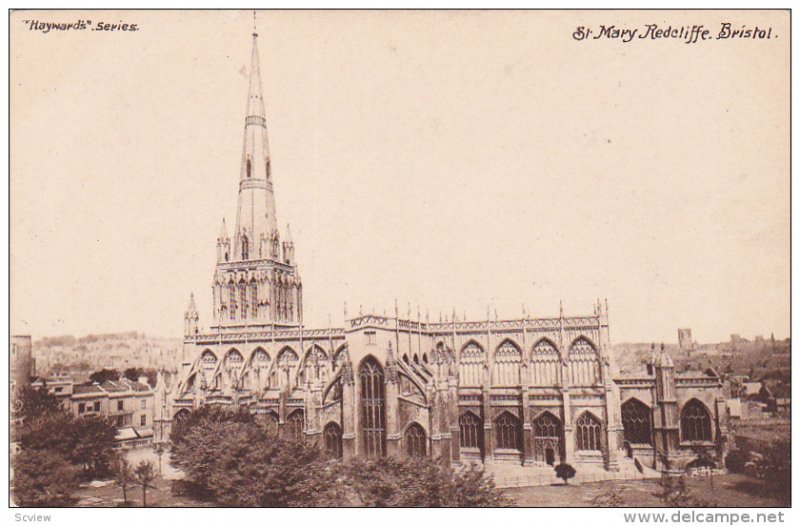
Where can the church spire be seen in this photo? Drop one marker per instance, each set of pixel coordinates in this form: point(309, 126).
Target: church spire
point(255, 215)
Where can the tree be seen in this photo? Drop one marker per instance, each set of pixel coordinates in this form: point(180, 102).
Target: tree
point(36, 402)
point(204, 416)
point(85, 442)
point(144, 475)
point(124, 476)
point(134, 373)
point(231, 459)
point(104, 375)
point(94, 440)
point(565, 472)
point(43, 479)
point(400, 482)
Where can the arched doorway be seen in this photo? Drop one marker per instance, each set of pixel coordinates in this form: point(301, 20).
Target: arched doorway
point(372, 416)
point(546, 438)
point(332, 437)
point(416, 441)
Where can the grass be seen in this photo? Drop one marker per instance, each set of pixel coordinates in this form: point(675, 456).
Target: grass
point(729, 491)
point(110, 496)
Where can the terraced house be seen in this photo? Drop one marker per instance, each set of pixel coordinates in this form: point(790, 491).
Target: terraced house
point(531, 391)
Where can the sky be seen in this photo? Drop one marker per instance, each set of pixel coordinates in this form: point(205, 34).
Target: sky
point(475, 161)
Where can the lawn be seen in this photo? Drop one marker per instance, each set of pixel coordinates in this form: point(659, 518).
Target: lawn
point(729, 491)
point(110, 496)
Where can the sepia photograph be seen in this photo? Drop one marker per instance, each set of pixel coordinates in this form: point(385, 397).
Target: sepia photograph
point(462, 258)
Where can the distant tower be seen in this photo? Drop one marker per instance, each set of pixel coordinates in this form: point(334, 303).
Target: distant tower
point(685, 340)
point(256, 281)
point(21, 366)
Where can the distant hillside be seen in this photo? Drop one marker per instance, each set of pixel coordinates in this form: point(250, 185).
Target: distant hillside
point(85, 354)
point(759, 359)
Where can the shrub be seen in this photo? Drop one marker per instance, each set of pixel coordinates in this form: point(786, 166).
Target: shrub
point(565, 472)
point(736, 460)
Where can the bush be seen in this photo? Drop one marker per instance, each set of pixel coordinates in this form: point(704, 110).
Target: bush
point(736, 460)
point(774, 467)
point(565, 472)
point(43, 479)
point(401, 482)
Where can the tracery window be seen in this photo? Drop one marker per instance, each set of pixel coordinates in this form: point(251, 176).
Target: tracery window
point(232, 300)
point(507, 361)
point(471, 364)
point(508, 432)
point(636, 421)
point(332, 437)
point(295, 425)
point(471, 430)
point(254, 299)
point(545, 368)
point(372, 415)
point(243, 298)
point(287, 364)
point(695, 422)
point(587, 433)
point(415, 440)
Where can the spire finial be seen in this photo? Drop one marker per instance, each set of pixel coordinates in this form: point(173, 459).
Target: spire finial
point(255, 33)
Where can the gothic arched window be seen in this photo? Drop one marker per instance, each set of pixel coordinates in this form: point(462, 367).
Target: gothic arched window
point(415, 439)
point(545, 368)
point(507, 361)
point(243, 298)
point(508, 432)
point(254, 298)
point(471, 430)
point(287, 365)
point(695, 422)
point(249, 168)
point(232, 300)
point(587, 433)
point(332, 436)
point(245, 248)
point(471, 364)
point(295, 425)
point(372, 416)
point(636, 422)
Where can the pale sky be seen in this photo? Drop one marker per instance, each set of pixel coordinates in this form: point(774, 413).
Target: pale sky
point(446, 159)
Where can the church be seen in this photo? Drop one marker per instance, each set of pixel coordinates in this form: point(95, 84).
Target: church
point(528, 391)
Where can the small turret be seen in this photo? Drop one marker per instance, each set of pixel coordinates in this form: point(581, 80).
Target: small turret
point(191, 318)
point(288, 248)
point(223, 244)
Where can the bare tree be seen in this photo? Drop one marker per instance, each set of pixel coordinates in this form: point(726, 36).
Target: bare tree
point(144, 475)
point(124, 477)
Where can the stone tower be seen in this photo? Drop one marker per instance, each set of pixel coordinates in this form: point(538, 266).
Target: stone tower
point(256, 281)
